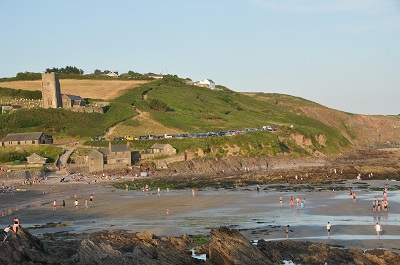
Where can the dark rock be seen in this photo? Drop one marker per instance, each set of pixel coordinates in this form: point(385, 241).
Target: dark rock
point(304, 252)
point(121, 247)
point(23, 248)
point(228, 246)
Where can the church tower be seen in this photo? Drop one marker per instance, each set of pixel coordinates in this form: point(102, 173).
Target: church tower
point(51, 94)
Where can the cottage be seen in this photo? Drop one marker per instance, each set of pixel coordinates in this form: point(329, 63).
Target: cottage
point(95, 160)
point(113, 155)
point(154, 76)
point(206, 83)
point(33, 138)
point(163, 149)
point(36, 159)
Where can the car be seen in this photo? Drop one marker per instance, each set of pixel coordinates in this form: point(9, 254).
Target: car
point(116, 138)
point(102, 139)
point(95, 138)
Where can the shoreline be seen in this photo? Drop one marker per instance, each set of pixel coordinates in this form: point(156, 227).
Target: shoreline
point(256, 215)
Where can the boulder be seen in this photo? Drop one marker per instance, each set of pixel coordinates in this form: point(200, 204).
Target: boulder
point(228, 246)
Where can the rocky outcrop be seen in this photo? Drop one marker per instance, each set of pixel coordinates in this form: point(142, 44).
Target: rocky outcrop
point(225, 247)
point(120, 247)
point(319, 253)
point(23, 248)
point(228, 246)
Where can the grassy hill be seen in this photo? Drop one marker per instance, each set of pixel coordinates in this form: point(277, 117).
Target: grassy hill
point(170, 106)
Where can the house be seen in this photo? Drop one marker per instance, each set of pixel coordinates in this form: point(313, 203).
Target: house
point(111, 73)
point(113, 155)
point(33, 138)
point(163, 149)
point(154, 76)
point(71, 101)
point(206, 83)
point(36, 159)
point(95, 160)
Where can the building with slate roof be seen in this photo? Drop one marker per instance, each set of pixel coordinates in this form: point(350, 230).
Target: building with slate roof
point(33, 138)
point(162, 149)
point(113, 155)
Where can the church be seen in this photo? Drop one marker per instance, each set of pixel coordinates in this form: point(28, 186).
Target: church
point(52, 97)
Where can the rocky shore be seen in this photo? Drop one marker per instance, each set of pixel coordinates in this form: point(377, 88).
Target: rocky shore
point(225, 246)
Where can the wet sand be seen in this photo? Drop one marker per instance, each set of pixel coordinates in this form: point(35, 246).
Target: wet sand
point(256, 215)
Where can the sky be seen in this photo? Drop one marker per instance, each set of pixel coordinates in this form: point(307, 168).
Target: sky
point(343, 54)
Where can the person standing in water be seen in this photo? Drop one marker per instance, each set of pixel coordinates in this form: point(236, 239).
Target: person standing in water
point(378, 229)
point(328, 229)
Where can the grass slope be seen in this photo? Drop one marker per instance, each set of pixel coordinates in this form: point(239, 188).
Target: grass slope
point(186, 108)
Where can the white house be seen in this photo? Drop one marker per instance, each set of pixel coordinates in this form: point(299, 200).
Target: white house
point(206, 83)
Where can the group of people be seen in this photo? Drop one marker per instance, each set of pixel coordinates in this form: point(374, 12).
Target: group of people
point(76, 203)
point(8, 229)
point(299, 203)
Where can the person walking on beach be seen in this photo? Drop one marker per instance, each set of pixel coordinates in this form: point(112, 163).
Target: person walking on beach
point(5, 232)
point(63, 205)
point(354, 197)
point(76, 204)
point(328, 229)
point(91, 199)
point(54, 205)
point(291, 201)
point(378, 229)
point(280, 200)
point(86, 204)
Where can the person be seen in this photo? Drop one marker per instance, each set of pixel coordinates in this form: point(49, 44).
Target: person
point(328, 229)
point(16, 225)
point(354, 197)
point(385, 206)
point(193, 192)
point(385, 194)
point(91, 199)
point(287, 232)
point(86, 203)
point(126, 187)
point(76, 203)
point(280, 200)
point(291, 201)
point(54, 205)
point(258, 188)
point(63, 204)
point(5, 232)
point(378, 229)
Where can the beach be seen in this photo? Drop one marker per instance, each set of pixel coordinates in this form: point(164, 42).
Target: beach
point(257, 215)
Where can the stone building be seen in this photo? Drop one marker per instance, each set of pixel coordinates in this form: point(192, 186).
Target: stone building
point(95, 160)
point(115, 155)
point(33, 138)
point(51, 93)
point(163, 149)
point(36, 159)
point(71, 101)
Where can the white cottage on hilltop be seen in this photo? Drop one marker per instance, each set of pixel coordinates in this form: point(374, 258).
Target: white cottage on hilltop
point(206, 83)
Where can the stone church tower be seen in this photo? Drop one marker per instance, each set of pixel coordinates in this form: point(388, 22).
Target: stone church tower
point(51, 94)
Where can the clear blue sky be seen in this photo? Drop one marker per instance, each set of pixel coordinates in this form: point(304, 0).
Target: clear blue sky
point(344, 54)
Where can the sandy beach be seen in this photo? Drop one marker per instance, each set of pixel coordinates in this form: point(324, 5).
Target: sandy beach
point(257, 215)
